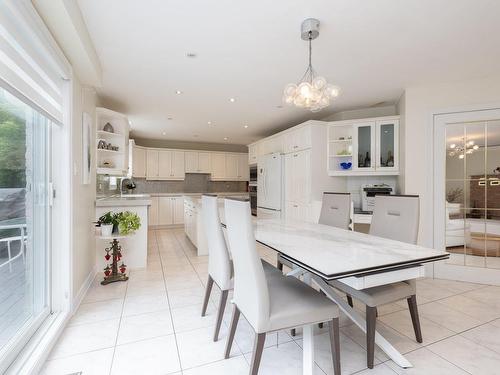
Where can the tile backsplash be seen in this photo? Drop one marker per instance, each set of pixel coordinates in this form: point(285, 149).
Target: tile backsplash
point(193, 183)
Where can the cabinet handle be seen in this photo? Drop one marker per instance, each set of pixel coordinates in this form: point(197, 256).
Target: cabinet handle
point(295, 146)
point(295, 205)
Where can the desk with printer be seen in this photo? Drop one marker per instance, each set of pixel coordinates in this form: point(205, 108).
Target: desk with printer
point(362, 217)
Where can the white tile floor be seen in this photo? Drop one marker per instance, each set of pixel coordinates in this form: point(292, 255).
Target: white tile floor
point(152, 325)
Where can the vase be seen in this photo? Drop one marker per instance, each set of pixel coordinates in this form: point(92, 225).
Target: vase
point(106, 230)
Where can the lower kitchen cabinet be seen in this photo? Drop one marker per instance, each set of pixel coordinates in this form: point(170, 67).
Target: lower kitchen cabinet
point(193, 226)
point(166, 211)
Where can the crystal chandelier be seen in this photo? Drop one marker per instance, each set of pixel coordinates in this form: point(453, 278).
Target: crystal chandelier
point(312, 92)
point(468, 148)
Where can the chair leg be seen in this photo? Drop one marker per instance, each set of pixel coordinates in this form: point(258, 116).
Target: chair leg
point(279, 265)
point(335, 344)
point(220, 313)
point(371, 321)
point(258, 347)
point(208, 290)
point(349, 300)
point(232, 331)
point(412, 305)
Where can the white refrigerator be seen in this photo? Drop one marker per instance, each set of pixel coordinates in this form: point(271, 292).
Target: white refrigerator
point(270, 186)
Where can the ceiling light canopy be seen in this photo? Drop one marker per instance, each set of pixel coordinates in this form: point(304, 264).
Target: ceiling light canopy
point(312, 92)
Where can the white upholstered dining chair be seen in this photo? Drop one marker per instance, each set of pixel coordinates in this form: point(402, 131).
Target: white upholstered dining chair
point(336, 210)
point(220, 266)
point(395, 217)
point(270, 304)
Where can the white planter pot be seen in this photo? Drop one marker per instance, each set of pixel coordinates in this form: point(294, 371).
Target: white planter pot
point(106, 230)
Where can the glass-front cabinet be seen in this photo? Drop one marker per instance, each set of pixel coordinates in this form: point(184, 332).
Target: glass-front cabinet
point(364, 147)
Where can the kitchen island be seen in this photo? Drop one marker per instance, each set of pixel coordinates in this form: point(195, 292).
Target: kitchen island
point(135, 246)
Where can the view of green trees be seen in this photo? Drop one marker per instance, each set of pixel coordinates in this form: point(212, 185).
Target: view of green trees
point(12, 145)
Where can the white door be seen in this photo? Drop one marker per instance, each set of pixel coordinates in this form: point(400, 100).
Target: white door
point(164, 164)
point(204, 162)
point(178, 210)
point(218, 168)
point(466, 189)
point(153, 212)
point(232, 166)
point(152, 164)
point(191, 159)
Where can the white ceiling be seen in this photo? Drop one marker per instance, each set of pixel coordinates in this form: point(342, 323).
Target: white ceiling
point(250, 49)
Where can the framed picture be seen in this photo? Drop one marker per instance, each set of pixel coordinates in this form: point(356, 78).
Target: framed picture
point(86, 144)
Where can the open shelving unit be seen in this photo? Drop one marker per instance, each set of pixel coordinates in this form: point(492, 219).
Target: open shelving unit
point(340, 148)
point(112, 162)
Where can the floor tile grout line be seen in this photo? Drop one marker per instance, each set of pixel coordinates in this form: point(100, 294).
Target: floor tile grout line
point(118, 332)
point(168, 301)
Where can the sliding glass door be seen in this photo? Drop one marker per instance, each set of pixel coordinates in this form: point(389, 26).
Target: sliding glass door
point(24, 222)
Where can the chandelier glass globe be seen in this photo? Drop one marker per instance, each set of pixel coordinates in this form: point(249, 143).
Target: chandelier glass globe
point(312, 92)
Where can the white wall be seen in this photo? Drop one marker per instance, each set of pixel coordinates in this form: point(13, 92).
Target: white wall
point(389, 110)
point(418, 106)
point(83, 196)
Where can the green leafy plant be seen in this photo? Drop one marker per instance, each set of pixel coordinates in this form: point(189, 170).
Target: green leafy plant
point(108, 218)
point(128, 222)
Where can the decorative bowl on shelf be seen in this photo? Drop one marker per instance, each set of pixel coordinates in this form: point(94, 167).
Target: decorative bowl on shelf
point(346, 165)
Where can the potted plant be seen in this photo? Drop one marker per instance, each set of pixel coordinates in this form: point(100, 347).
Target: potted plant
point(107, 222)
point(128, 222)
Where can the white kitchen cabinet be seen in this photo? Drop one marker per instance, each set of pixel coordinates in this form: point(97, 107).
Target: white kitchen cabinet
point(298, 177)
point(252, 153)
point(370, 145)
point(218, 166)
point(164, 164)
point(166, 211)
point(152, 164)
point(243, 169)
point(138, 161)
point(165, 214)
point(197, 162)
point(191, 160)
point(271, 145)
point(204, 162)
point(177, 210)
point(153, 212)
point(232, 167)
point(297, 139)
point(177, 165)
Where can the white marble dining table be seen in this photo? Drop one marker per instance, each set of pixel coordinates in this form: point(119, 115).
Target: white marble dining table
point(320, 253)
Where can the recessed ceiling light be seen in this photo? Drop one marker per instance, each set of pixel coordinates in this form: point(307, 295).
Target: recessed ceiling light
point(225, 138)
point(164, 133)
point(279, 106)
point(232, 100)
point(178, 92)
point(191, 55)
point(245, 126)
point(169, 118)
point(129, 122)
point(209, 122)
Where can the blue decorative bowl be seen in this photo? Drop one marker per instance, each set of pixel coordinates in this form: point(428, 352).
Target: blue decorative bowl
point(346, 165)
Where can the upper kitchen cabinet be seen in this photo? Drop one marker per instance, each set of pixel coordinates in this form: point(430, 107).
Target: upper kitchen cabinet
point(164, 164)
point(297, 139)
point(197, 162)
point(232, 166)
point(111, 142)
point(218, 166)
point(243, 170)
point(364, 147)
point(137, 160)
point(253, 153)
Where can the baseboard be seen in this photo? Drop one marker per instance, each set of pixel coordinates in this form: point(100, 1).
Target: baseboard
point(77, 300)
